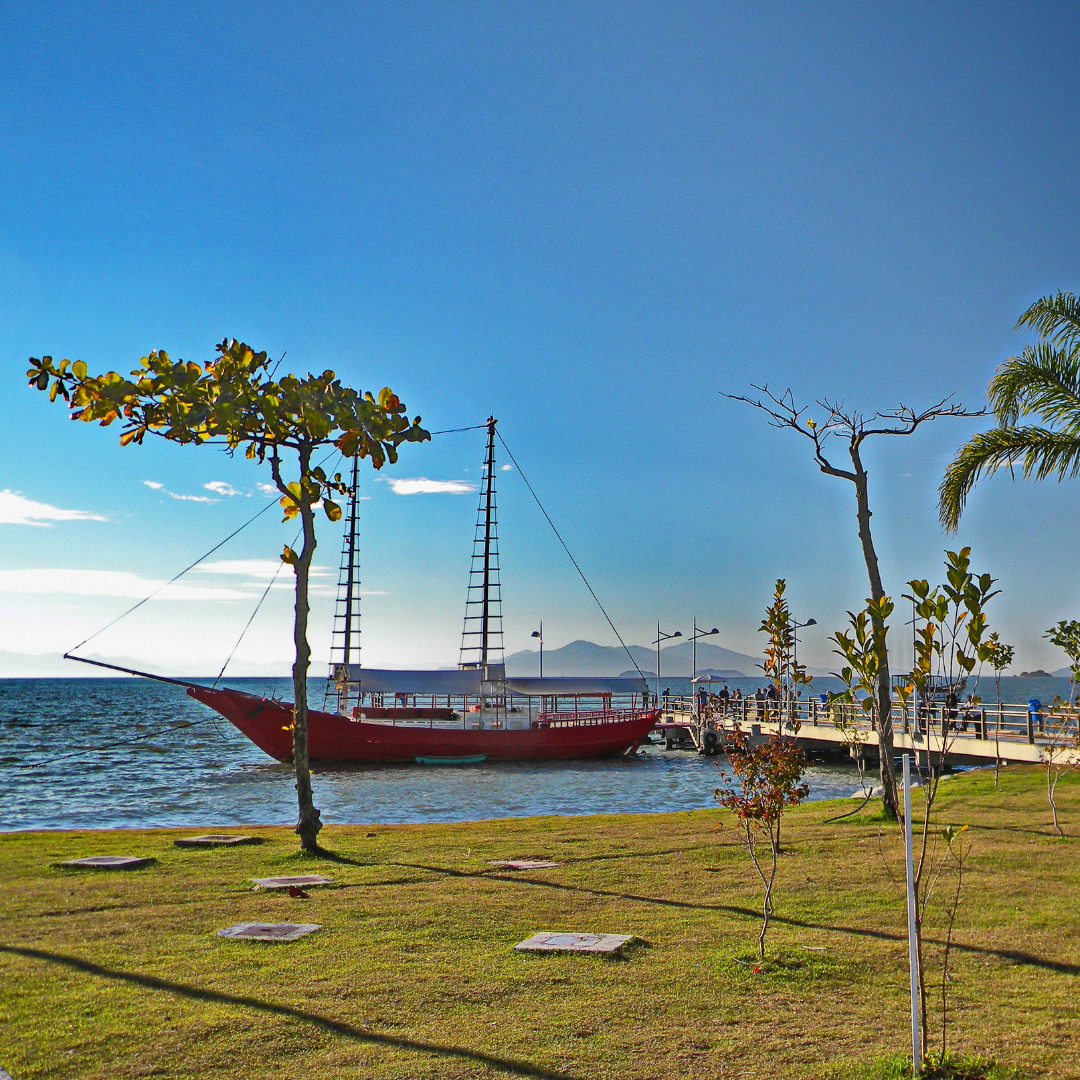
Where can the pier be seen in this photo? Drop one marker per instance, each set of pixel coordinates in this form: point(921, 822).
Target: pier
point(1013, 733)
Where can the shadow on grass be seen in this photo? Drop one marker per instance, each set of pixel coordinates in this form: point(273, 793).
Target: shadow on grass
point(335, 1027)
point(1012, 955)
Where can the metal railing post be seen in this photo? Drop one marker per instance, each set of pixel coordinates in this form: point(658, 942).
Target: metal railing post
point(913, 949)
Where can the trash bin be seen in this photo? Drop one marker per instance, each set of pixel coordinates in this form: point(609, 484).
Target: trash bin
point(1034, 717)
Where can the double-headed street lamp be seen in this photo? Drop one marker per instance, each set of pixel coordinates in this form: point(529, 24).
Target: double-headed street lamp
point(661, 636)
point(540, 634)
point(694, 638)
point(795, 642)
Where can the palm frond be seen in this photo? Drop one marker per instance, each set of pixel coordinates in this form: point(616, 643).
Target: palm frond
point(1044, 380)
point(1041, 452)
point(1056, 318)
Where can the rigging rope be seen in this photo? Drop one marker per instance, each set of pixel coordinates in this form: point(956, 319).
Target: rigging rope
point(251, 619)
point(558, 536)
point(173, 580)
point(455, 430)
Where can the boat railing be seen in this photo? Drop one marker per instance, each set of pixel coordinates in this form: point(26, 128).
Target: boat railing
point(583, 718)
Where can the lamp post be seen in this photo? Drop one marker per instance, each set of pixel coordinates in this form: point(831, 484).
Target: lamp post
point(661, 636)
point(795, 642)
point(694, 638)
point(540, 634)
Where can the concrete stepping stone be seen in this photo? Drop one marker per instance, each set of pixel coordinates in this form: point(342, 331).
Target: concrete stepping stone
point(524, 864)
point(588, 943)
point(261, 931)
point(303, 880)
point(109, 862)
point(216, 840)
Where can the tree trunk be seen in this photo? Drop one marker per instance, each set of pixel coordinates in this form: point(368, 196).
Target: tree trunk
point(883, 711)
point(308, 823)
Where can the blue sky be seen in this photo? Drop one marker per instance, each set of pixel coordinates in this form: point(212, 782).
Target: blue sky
point(588, 219)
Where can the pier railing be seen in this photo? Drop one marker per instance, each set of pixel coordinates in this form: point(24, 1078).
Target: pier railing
point(1002, 722)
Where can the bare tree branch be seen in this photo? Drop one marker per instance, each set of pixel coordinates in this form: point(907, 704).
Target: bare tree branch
point(852, 428)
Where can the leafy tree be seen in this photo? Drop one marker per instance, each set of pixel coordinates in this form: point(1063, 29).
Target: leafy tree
point(864, 651)
point(999, 657)
point(234, 399)
point(1061, 752)
point(780, 666)
point(950, 645)
point(1066, 636)
point(1043, 381)
point(768, 782)
point(852, 429)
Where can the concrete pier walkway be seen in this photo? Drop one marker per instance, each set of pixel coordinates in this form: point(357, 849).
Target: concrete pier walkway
point(1010, 732)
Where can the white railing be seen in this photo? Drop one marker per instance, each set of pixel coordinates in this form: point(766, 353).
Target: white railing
point(986, 720)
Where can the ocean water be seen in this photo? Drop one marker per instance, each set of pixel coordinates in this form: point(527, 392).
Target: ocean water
point(106, 753)
point(96, 753)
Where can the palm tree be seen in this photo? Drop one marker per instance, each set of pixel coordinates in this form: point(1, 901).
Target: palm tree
point(1044, 381)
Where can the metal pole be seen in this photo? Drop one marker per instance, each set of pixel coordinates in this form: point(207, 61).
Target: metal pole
point(693, 685)
point(694, 638)
point(541, 648)
point(794, 657)
point(913, 947)
point(658, 663)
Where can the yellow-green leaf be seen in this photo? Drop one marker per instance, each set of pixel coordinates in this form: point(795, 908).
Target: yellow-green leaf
point(333, 511)
point(289, 556)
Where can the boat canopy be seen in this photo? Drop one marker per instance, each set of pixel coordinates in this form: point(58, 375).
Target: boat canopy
point(385, 681)
point(470, 682)
point(583, 685)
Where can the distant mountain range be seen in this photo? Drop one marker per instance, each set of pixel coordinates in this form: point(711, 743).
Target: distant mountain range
point(577, 658)
point(676, 661)
point(54, 666)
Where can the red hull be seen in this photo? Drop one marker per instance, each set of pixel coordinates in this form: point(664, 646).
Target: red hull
point(336, 738)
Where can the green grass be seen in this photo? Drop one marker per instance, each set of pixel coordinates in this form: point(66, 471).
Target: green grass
point(107, 975)
point(951, 1067)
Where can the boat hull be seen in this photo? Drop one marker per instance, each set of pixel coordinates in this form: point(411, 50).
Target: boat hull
point(333, 738)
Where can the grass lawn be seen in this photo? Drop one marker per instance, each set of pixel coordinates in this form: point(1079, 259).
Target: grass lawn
point(119, 974)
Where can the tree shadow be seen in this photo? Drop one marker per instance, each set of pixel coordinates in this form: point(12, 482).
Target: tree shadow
point(335, 1027)
point(1012, 955)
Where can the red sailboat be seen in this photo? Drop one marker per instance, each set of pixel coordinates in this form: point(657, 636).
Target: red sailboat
point(459, 716)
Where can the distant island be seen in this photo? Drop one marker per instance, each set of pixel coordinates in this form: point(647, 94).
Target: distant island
point(1039, 674)
point(676, 661)
point(726, 673)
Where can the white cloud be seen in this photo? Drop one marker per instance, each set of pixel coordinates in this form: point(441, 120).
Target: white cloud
point(172, 494)
point(267, 489)
point(421, 485)
point(261, 569)
point(17, 510)
point(507, 468)
point(107, 583)
point(219, 487)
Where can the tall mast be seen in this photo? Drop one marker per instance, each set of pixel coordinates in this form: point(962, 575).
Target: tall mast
point(489, 498)
point(482, 636)
point(345, 643)
point(351, 586)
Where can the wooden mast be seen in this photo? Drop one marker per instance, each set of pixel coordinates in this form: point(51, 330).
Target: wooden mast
point(345, 643)
point(489, 495)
